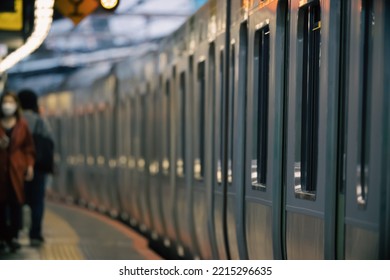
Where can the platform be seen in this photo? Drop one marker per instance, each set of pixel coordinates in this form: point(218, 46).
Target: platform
point(73, 233)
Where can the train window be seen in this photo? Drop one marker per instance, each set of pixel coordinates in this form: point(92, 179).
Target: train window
point(167, 130)
point(220, 118)
point(142, 122)
point(72, 142)
point(200, 121)
point(79, 138)
point(69, 142)
point(154, 164)
point(309, 34)
point(94, 140)
point(362, 168)
point(120, 133)
point(112, 139)
point(90, 137)
point(59, 140)
point(212, 84)
point(133, 132)
point(86, 136)
point(260, 107)
point(181, 125)
point(232, 83)
point(107, 133)
point(83, 137)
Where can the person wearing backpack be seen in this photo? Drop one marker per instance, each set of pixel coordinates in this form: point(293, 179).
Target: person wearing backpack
point(44, 162)
point(17, 157)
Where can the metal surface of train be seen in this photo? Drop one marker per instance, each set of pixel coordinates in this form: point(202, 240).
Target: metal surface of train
point(258, 130)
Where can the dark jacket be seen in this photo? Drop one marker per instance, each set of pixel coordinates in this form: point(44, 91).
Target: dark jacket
point(21, 154)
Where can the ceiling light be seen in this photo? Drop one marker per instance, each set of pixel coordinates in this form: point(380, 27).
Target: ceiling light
point(109, 4)
point(43, 18)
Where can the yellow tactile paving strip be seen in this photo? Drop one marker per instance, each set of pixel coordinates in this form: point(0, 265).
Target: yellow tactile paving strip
point(73, 233)
point(65, 244)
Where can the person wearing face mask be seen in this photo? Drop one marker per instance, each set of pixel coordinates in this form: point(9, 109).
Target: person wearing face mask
point(44, 162)
point(17, 156)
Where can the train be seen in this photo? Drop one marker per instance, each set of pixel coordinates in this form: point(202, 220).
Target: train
point(259, 129)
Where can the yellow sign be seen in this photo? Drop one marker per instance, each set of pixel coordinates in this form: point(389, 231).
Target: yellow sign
point(76, 10)
point(12, 21)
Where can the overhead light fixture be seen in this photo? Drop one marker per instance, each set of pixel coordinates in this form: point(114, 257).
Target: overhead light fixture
point(109, 5)
point(43, 14)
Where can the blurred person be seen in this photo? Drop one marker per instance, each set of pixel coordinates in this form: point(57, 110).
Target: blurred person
point(44, 164)
point(17, 156)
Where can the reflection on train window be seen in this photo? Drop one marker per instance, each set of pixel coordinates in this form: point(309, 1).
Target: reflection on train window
point(220, 118)
point(362, 168)
point(260, 108)
point(167, 130)
point(232, 83)
point(309, 35)
point(181, 125)
point(200, 122)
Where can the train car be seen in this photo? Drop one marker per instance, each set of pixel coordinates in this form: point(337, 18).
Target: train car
point(257, 130)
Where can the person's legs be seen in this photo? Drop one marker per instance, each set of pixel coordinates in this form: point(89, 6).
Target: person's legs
point(35, 195)
point(3, 222)
point(14, 221)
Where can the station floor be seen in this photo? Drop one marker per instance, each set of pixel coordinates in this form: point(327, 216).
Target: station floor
point(74, 233)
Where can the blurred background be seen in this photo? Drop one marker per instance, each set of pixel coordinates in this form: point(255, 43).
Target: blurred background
point(82, 47)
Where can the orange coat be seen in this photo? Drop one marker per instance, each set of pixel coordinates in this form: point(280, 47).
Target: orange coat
point(21, 154)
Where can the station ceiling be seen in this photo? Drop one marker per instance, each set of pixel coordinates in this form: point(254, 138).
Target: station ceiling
point(97, 41)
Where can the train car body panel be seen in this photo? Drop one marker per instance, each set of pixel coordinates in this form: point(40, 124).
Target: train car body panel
point(364, 120)
point(217, 202)
point(182, 164)
point(311, 127)
point(167, 186)
point(201, 123)
point(264, 133)
point(257, 130)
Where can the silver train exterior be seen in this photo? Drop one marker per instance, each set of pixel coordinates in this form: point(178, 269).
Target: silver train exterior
point(258, 130)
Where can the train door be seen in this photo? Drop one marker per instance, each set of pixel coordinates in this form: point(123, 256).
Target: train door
point(234, 104)
point(363, 232)
point(105, 160)
point(112, 183)
point(142, 182)
point(182, 194)
point(121, 136)
point(133, 146)
point(155, 162)
point(81, 182)
point(167, 166)
point(311, 129)
point(264, 133)
point(94, 155)
point(216, 169)
point(200, 124)
point(60, 154)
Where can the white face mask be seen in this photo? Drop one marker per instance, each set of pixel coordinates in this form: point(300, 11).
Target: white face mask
point(9, 109)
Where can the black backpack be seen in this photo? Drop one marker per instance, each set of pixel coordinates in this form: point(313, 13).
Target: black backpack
point(44, 149)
